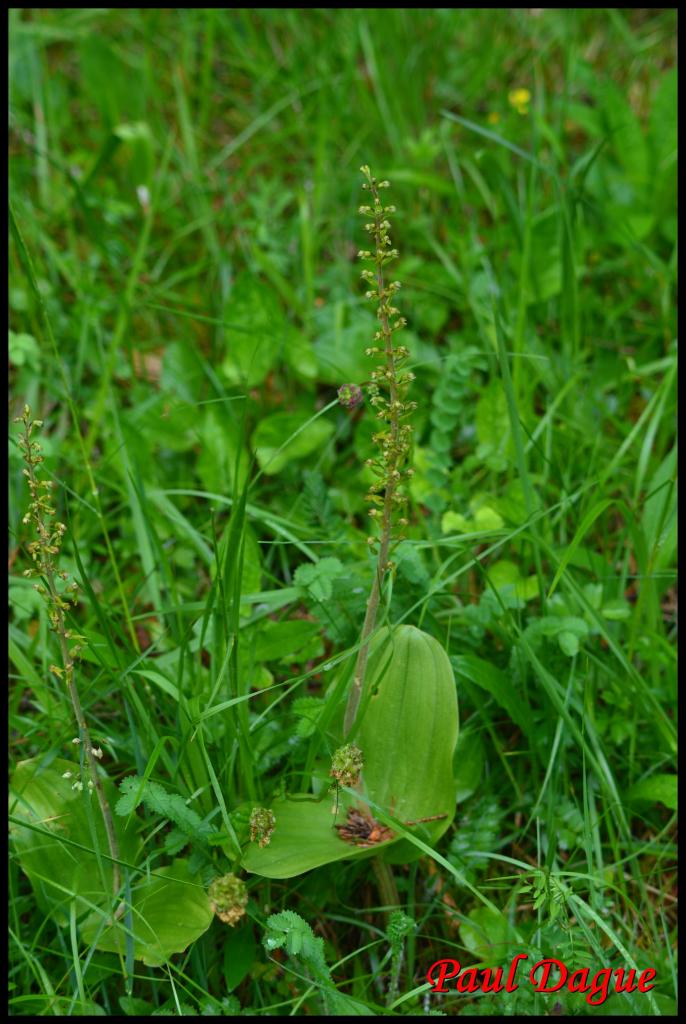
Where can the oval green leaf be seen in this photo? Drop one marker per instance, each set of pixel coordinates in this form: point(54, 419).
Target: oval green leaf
point(168, 914)
point(59, 852)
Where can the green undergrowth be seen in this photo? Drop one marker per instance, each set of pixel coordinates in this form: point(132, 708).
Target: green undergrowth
point(184, 302)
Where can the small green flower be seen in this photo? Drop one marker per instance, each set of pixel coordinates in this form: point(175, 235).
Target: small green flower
point(262, 823)
point(228, 898)
point(346, 765)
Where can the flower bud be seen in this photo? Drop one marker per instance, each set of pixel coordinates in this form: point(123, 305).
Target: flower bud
point(350, 396)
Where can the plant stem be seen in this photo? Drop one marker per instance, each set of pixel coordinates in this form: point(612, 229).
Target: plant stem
point(394, 451)
point(387, 888)
point(46, 546)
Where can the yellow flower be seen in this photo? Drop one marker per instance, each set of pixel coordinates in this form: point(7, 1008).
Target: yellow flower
point(519, 99)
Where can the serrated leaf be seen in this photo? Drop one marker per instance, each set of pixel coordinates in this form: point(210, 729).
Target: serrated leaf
point(308, 710)
point(317, 578)
point(136, 790)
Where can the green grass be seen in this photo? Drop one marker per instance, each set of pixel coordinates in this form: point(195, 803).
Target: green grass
point(184, 302)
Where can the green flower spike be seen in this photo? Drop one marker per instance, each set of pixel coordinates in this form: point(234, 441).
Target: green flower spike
point(262, 823)
point(228, 898)
point(346, 765)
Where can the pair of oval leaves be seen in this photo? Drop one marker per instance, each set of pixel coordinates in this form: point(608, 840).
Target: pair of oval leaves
point(407, 733)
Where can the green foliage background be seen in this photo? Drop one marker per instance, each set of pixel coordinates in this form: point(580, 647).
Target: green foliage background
point(186, 185)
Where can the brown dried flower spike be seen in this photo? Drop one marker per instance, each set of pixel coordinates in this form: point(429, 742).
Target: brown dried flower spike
point(361, 829)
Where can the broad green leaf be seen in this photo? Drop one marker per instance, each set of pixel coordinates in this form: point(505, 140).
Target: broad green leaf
point(251, 578)
point(625, 133)
point(616, 610)
point(256, 331)
point(278, 639)
point(23, 348)
point(504, 574)
point(182, 372)
point(285, 436)
point(487, 934)
point(544, 277)
point(454, 522)
point(41, 796)
point(172, 426)
point(216, 463)
point(486, 518)
point(340, 349)
point(133, 1007)
point(253, 673)
point(304, 838)
point(168, 914)
point(239, 953)
point(497, 683)
point(299, 354)
point(660, 788)
point(569, 643)
point(493, 428)
point(408, 731)
point(553, 625)
point(468, 764)
point(409, 726)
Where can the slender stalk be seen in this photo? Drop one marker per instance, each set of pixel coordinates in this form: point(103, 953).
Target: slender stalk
point(394, 442)
point(43, 551)
point(386, 884)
